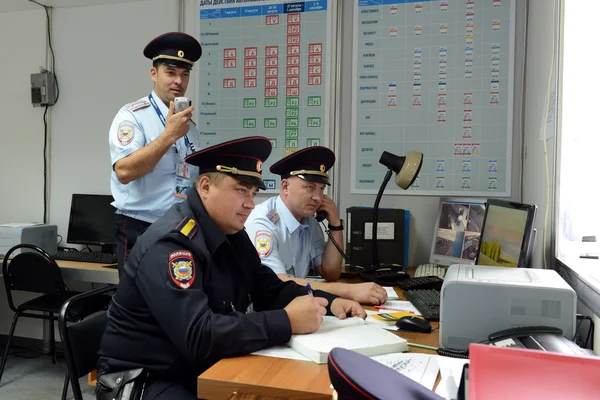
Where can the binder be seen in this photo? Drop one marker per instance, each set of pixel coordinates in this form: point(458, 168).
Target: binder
point(392, 235)
point(511, 373)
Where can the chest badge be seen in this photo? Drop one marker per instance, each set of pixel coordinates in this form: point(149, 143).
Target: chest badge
point(182, 268)
point(263, 243)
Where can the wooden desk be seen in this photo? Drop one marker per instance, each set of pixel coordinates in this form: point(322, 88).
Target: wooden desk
point(280, 377)
point(87, 272)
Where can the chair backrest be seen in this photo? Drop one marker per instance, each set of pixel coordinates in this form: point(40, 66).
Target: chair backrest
point(81, 339)
point(31, 271)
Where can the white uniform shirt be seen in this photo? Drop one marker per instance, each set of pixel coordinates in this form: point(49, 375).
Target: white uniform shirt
point(284, 244)
point(147, 198)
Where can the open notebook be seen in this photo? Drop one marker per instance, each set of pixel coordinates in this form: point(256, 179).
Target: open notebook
point(351, 333)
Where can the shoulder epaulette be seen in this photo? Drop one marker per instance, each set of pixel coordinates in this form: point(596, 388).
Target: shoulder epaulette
point(273, 216)
point(188, 227)
point(137, 105)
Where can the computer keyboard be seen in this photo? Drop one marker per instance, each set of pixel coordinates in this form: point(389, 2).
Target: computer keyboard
point(422, 282)
point(427, 301)
point(86, 256)
point(430, 270)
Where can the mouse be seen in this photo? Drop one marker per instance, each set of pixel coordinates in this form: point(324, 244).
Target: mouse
point(413, 323)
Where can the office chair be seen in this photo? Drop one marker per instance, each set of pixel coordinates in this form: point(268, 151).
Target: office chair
point(355, 376)
point(81, 339)
point(35, 271)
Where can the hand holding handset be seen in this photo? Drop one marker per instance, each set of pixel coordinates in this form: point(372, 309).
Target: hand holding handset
point(181, 103)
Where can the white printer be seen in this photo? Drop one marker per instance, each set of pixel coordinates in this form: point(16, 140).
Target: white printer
point(41, 235)
point(478, 300)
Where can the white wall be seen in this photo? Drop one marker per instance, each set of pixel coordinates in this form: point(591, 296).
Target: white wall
point(100, 67)
point(22, 132)
point(541, 46)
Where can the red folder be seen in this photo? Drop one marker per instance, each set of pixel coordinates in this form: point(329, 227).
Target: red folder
point(510, 373)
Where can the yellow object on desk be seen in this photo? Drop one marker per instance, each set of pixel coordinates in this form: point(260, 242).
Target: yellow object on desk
point(390, 318)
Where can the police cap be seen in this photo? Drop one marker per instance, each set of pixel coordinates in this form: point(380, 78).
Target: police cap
point(311, 164)
point(174, 48)
point(240, 158)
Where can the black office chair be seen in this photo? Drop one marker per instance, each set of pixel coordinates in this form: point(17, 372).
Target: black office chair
point(35, 271)
point(81, 339)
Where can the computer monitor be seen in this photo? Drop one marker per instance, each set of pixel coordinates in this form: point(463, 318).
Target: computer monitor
point(91, 221)
point(507, 235)
point(456, 233)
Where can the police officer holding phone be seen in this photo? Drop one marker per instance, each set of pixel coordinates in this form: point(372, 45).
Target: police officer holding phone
point(149, 140)
point(287, 235)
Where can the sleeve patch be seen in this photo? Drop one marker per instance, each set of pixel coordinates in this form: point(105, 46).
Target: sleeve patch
point(137, 105)
point(126, 133)
point(263, 243)
point(182, 268)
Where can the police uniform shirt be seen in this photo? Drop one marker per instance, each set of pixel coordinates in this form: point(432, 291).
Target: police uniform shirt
point(135, 126)
point(191, 295)
point(284, 244)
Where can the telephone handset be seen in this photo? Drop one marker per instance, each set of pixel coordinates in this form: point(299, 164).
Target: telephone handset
point(320, 215)
point(544, 338)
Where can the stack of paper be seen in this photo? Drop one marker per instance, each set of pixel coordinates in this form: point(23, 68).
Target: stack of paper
point(351, 333)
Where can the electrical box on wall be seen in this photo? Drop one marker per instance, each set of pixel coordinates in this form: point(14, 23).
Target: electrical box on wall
point(43, 89)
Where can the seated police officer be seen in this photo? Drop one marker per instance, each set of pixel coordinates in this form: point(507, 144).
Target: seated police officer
point(287, 236)
point(194, 290)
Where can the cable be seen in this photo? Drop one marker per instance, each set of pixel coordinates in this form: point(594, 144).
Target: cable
point(338, 247)
point(49, 34)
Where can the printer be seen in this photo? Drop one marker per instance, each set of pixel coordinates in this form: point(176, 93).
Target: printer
point(41, 235)
point(477, 300)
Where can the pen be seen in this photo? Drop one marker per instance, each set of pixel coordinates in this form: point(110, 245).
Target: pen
point(309, 288)
point(392, 309)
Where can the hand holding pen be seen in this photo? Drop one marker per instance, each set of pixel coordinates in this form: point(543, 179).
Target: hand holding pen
point(306, 312)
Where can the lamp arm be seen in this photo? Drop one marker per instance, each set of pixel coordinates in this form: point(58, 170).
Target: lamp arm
point(386, 179)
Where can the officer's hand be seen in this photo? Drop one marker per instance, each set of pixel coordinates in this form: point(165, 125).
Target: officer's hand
point(342, 308)
point(330, 209)
point(366, 293)
point(306, 313)
point(178, 124)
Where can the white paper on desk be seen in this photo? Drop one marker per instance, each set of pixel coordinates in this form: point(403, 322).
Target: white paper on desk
point(281, 352)
point(391, 293)
point(421, 368)
point(400, 305)
point(451, 372)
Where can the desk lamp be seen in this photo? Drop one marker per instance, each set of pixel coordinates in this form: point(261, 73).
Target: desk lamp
point(406, 169)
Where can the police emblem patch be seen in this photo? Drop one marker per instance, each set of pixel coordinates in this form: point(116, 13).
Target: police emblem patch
point(126, 133)
point(263, 243)
point(181, 268)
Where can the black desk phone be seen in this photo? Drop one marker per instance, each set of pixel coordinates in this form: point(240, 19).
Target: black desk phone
point(385, 275)
point(544, 338)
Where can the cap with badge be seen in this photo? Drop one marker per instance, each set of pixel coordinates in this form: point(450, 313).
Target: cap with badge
point(240, 158)
point(174, 48)
point(311, 164)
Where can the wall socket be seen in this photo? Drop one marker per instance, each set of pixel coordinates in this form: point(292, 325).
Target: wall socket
point(43, 89)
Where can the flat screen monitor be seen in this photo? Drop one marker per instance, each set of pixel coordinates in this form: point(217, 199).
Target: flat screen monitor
point(92, 221)
point(507, 234)
point(456, 233)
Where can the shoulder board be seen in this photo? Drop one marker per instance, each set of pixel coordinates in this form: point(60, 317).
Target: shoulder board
point(137, 105)
point(188, 227)
point(273, 216)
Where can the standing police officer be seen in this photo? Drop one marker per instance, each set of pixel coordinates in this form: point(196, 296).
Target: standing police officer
point(149, 142)
point(194, 291)
point(287, 236)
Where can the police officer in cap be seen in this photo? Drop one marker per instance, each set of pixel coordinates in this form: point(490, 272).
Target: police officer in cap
point(287, 235)
point(194, 290)
point(149, 142)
